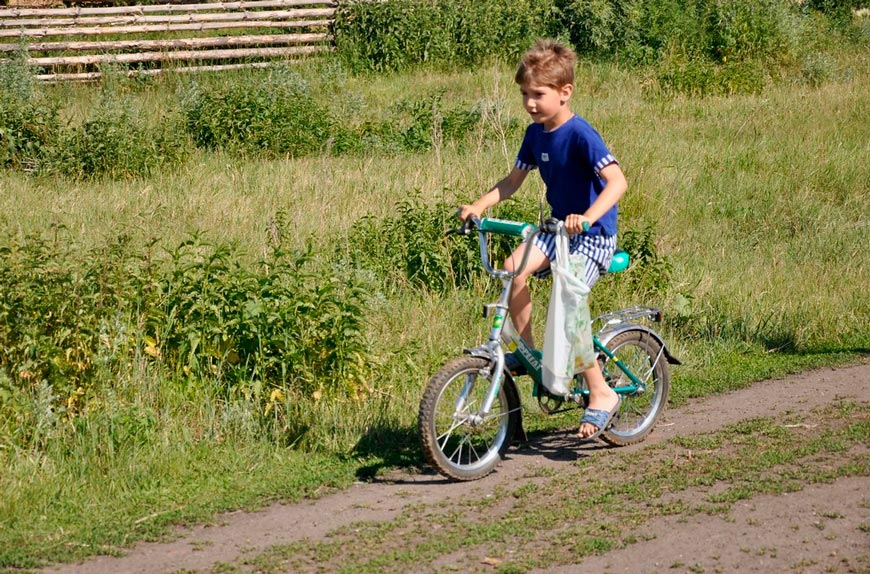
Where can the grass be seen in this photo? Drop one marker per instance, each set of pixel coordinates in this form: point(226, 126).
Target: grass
point(758, 203)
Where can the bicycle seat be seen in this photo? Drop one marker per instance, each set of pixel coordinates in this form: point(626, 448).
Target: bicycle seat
point(619, 262)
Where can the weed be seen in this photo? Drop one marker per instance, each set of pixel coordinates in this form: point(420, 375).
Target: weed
point(400, 34)
point(264, 335)
point(274, 114)
point(411, 249)
point(28, 122)
point(116, 141)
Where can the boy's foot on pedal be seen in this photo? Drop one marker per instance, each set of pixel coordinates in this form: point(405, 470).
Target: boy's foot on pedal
point(513, 365)
point(596, 420)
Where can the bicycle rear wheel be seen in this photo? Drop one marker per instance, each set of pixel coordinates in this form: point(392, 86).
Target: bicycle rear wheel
point(455, 439)
point(644, 356)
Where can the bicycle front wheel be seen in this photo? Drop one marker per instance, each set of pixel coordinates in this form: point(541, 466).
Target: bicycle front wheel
point(644, 356)
point(459, 442)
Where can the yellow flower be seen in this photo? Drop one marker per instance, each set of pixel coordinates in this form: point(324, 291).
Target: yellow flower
point(275, 399)
point(151, 347)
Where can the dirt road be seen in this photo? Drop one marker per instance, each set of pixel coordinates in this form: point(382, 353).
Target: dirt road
point(821, 528)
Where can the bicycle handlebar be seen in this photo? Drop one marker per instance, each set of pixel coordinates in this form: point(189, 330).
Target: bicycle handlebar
point(527, 231)
point(505, 227)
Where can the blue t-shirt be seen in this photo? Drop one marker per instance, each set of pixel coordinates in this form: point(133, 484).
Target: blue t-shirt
point(570, 158)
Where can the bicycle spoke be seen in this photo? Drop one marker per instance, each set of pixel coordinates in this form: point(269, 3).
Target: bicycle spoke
point(446, 436)
point(474, 450)
point(655, 363)
point(458, 449)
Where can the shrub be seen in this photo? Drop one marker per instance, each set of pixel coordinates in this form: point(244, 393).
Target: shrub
point(275, 114)
point(410, 249)
point(54, 313)
point(74, 325)
point(28, 123)
point(699, 76)
point(399, 34)
point(702, 46)
point(742, 30)
point(418, 124)
point(118, 141)
point(280, 321)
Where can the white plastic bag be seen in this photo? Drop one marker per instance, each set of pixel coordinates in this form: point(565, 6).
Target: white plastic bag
point(568, 338)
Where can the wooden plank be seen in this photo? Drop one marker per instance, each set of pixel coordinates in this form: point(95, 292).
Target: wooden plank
point(181, 55)
point(169, 18)
point(90, 76)
point(156, 8)
point(150, 28)
point(174, 44)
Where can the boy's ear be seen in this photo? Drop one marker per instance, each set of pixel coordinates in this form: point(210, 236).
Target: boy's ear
point(565, 92)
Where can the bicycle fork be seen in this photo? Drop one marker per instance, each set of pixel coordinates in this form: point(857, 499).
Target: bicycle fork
point(492, 350)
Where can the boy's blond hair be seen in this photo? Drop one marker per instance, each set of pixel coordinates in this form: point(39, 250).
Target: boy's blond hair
point(547, 63)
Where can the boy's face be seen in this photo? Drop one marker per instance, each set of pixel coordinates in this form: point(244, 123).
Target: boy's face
point(547, 105)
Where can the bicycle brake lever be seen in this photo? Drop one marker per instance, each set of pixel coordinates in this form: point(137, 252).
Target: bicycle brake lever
point(463, 229)
point(550, 225)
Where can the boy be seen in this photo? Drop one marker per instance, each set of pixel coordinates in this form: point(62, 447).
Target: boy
point(584, 183)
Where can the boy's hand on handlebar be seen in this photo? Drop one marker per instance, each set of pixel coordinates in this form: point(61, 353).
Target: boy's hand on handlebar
point(466, 211)
point(576, 223)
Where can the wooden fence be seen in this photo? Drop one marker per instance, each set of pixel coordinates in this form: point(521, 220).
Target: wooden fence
point(72, 43)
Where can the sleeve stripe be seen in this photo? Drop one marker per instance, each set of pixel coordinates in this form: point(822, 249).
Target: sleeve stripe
point(524, 166)
point(604, 162)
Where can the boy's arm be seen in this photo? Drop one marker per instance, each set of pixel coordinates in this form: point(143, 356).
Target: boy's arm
point(499, 192)
point(614, 188)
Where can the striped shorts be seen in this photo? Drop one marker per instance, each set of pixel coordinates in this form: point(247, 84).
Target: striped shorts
point(598, 249)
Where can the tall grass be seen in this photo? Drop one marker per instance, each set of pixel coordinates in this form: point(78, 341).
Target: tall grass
point(746, 216)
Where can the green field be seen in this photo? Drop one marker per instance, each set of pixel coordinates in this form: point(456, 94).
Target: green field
point(233, 326)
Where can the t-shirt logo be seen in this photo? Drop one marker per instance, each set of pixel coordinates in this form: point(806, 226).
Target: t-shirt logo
point(545, 157)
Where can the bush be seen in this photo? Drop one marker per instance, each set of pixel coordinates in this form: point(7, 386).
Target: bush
point(118, 141)
point(28, 123)
point(275, 114)
point(703, 46)
point(74, 325)
point(280, 321)
point(410, 249)
point(742, 30)
point(400, 34)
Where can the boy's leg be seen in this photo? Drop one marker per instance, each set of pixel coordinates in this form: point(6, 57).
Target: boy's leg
point(598, 251)
point(520, 301)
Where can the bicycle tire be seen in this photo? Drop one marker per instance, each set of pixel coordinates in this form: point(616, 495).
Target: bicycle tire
point(453, 441)
point(644, 355)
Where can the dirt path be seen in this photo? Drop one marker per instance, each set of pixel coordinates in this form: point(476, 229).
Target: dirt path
point(822, 528)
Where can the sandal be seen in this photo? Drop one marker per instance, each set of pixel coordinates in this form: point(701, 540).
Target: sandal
point(599, 418)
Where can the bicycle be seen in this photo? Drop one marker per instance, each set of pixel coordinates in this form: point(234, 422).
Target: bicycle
point(471, 409)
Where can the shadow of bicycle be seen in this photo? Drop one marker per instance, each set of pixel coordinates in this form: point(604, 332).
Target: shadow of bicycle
point(395, 456)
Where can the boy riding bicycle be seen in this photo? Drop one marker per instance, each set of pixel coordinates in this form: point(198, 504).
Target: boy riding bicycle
point(584, 183)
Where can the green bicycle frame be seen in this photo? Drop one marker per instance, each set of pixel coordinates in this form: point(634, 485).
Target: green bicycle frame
point(529, 357)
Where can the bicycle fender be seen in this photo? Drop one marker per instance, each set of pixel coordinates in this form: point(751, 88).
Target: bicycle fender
point(482, 352)
point(607, 335)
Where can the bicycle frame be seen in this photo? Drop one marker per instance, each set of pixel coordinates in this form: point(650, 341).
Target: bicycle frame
point(532, 358)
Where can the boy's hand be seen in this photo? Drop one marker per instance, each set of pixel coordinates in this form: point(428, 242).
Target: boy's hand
point(575, 224)
point(466, 211)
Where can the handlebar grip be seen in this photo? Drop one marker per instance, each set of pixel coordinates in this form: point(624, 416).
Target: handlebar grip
point(551, 225)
